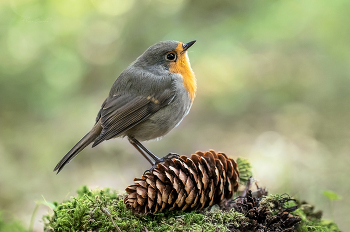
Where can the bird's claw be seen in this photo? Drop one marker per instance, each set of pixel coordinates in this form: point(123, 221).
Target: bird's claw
point(161, 160)
point(169, 157)
point(149, 170)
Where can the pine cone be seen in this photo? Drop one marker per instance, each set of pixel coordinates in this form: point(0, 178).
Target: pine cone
point(184, 183)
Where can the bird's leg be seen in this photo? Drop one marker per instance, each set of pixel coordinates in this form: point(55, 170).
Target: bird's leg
point(132, 141)
point(153, 156)
point(144, 151)
point(140, 146)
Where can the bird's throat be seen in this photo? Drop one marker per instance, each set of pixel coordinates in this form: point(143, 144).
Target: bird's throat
point(183, 67)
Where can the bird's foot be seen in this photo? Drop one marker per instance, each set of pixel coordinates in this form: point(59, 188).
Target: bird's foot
point(161, 160)
point(151, 169)
point(169, 157)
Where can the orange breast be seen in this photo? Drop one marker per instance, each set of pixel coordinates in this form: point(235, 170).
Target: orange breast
point(183, 67)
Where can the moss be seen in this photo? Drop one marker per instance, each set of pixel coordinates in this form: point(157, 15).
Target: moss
point(103, 210)
point(311, 221)
point(315, 224)
point(85, 212)
point(13, 226)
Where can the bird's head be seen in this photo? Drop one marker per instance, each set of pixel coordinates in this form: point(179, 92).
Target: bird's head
point(170, 56)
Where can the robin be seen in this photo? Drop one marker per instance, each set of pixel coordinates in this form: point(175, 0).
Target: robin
point(147, 100)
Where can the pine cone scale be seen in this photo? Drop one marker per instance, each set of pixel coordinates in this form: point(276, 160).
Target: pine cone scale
point(141, 191)
point(151, 192)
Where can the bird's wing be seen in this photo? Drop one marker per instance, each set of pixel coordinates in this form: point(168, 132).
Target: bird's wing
point(124, 111)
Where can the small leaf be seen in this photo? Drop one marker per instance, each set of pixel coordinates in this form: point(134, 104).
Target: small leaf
point(331, 195)
point(44, 202)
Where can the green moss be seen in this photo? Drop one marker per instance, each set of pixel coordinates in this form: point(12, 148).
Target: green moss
point(311, 221)
point(318, 226)
point(85, 212)
point(103, 210)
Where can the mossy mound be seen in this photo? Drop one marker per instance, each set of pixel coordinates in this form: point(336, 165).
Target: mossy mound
point(104, 210)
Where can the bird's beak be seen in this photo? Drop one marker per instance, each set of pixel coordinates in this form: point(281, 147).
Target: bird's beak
point(188, 45)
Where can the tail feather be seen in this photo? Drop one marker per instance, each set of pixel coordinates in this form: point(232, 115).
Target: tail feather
point(85, 141)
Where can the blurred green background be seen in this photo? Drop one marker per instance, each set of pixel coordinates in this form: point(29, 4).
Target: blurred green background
point(273, 86)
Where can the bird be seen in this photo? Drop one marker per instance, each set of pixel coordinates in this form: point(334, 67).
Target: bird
point(147, 100)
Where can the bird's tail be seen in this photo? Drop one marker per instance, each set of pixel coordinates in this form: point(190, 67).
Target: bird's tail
point(86, 140)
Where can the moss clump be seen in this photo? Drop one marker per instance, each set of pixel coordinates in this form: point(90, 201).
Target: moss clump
point(14, 226)
point(104, 210)
point(311, 221)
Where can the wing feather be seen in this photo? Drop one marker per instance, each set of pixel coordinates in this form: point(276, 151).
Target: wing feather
point(122, 112)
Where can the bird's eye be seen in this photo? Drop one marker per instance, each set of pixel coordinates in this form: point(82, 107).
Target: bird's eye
point(171, 56)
